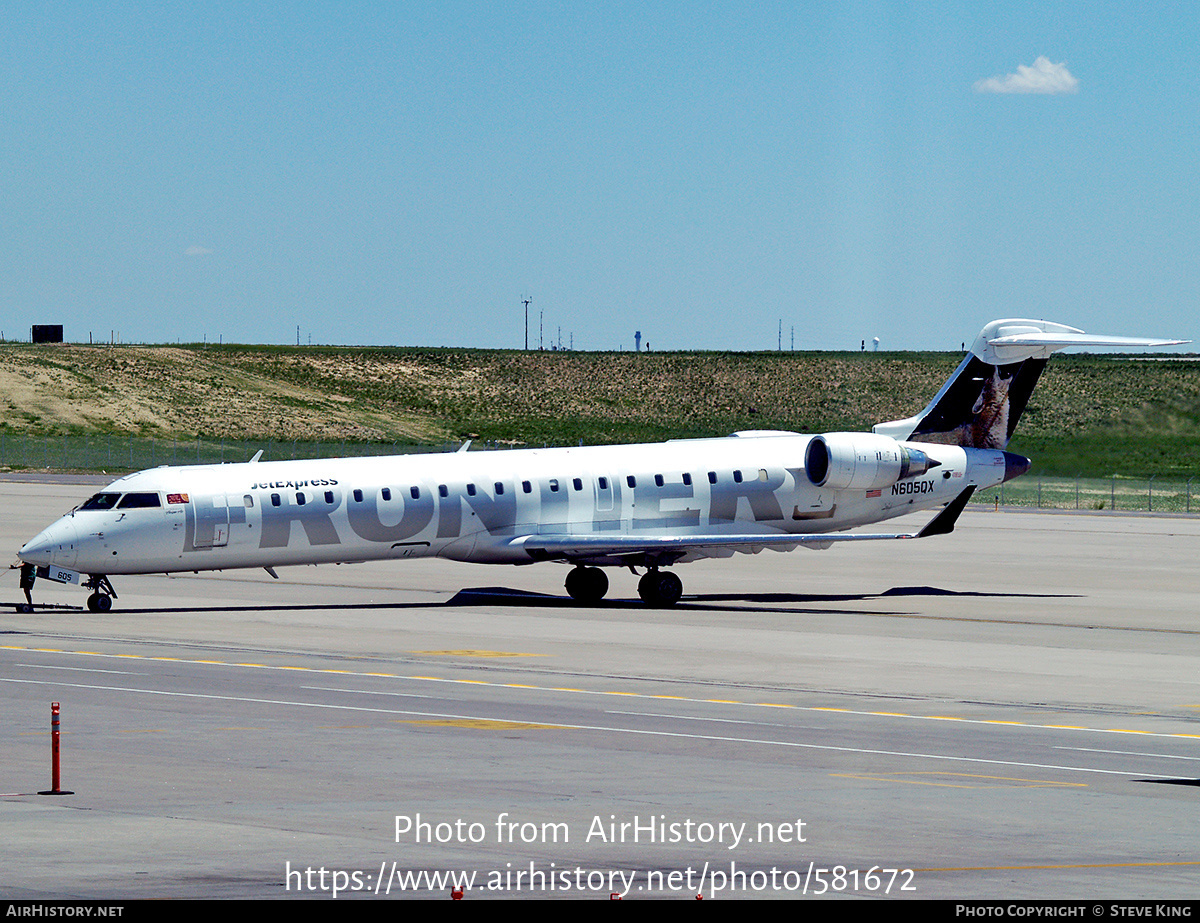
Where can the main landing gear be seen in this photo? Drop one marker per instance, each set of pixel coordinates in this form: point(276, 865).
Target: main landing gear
point(660, 588)
point(587, 584)
point(657, 588)
point(102, 593)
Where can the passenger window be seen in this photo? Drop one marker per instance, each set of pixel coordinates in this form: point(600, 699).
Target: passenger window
point(577, 483)
point(527, 487)
point(499, 488)
point(275, 501)
point(712, 477)
point(299, 499)
point(631, 481)
point(329, 496)
point(358, 496)
point(386, 493)
point(249, 501)
point(443, 491)
point(470, 490)
point(416, 493)
point(603, 483)
point(554, 485)
point(658, 480)
point(687, 479)
point(737, 477)
point(762, 474)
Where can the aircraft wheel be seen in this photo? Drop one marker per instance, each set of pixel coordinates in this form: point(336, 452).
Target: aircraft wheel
point(587, 584)
point(98, 602)
point(24, 607)
point(660, 589)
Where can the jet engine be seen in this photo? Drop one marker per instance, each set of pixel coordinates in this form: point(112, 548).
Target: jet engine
point(864, 461)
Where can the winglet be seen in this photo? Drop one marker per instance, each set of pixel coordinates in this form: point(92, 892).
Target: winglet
point(943, 522)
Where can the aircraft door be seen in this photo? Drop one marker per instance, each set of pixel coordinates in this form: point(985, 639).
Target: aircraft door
point(605, 517)
point(210, 522)
point(604, 494)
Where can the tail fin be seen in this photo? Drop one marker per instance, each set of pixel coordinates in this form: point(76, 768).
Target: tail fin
point(981, 403)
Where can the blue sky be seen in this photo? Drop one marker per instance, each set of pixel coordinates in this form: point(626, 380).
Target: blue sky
point(405, 174)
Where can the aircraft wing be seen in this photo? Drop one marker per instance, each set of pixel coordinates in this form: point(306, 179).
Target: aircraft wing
point(659, 549)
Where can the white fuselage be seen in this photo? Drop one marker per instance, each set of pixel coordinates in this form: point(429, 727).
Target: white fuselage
point(478, 506)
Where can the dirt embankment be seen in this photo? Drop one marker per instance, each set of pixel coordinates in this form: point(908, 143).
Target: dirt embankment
point(433, 396)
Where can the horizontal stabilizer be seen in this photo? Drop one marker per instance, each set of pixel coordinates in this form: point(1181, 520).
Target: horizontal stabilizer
point(1012, 347)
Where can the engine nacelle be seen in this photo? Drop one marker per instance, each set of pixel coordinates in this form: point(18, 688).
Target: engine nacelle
point(864, 461)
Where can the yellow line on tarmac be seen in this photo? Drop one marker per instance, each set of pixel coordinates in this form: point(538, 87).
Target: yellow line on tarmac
point(648, 696)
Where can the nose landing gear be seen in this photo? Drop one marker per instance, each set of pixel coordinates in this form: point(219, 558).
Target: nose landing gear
point(102, 593)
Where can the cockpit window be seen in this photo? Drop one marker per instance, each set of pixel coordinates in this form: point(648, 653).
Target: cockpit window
point(101, 501)
point(138, 501)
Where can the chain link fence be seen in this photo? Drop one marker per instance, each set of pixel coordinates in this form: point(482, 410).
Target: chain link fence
point(1151, 494)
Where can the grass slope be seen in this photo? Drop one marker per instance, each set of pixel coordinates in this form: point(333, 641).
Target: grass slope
point(1090, 415)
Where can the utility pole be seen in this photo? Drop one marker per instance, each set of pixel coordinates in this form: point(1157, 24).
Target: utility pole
point(527, 300)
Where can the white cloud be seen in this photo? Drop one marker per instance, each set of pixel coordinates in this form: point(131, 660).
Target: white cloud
point(197, 251)
point(1043, 77)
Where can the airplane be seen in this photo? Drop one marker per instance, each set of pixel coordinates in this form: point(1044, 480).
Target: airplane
point(643, 506)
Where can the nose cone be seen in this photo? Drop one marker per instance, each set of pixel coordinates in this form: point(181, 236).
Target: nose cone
point(1015, 465)
point(55, 544)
